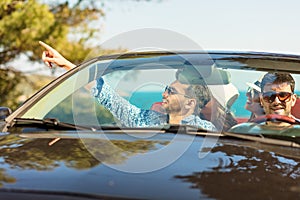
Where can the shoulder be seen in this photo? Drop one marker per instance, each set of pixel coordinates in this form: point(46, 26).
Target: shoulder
point(197, 121)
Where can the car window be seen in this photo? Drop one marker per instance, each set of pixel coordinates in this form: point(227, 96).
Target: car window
point(141, 88)
point(142, 81)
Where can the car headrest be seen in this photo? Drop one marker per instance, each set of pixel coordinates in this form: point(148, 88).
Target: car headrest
point(224, 94)
point(296, 109)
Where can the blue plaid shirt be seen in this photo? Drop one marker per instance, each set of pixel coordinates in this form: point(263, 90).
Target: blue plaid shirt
point(132, 116)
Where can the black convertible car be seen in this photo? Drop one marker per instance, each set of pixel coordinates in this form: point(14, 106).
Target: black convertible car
point(63, 144)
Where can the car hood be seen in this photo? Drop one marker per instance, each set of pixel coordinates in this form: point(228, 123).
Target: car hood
point(159, 166)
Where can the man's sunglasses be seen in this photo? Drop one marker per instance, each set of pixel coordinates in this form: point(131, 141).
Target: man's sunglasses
point(271, 96)
point(172, 91)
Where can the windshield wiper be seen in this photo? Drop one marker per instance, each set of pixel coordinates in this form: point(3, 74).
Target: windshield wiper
point(55, 124)
point(189, 129)
point(49, 123)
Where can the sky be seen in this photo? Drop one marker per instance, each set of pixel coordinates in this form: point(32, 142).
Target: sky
point(256, 25)
point(239, 25)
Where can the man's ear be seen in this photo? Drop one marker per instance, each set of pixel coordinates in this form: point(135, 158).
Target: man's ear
point(191, 103)
point(294, 99)
point(261, 100)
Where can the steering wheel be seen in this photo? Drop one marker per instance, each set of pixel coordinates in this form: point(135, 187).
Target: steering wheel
point(275, 117)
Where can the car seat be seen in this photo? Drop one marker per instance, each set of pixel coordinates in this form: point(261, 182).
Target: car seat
point(296, 109)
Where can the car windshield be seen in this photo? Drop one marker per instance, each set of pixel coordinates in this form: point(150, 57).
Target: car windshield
point(126, 91)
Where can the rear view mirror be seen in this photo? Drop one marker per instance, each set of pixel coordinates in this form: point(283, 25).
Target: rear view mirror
point(4, 112)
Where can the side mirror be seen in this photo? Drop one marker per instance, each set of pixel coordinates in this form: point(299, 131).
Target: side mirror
point(4, 112)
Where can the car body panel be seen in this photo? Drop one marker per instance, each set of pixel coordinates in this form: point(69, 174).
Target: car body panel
point(67, 166)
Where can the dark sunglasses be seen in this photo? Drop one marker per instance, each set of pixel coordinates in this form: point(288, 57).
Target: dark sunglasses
point(172, 91)
point(271, 96)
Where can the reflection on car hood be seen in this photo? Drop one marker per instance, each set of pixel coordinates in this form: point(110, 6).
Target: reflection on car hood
point(115, 165)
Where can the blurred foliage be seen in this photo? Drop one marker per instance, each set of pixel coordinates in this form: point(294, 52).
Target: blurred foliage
point(16, 87)
point(66, 25)
point(4, 178)
point(252, 168)
point(77, 153)
point(9, 79)
point(23, 23)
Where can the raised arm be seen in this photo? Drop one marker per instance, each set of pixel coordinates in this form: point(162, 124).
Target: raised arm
point(50, 56)
point(129, 115)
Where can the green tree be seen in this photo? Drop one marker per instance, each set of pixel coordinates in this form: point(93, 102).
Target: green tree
point(78, 153)
point(9, 79)
point(23, 23)
point(67, 24)
point(63, 23)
